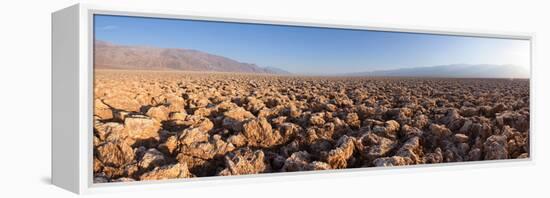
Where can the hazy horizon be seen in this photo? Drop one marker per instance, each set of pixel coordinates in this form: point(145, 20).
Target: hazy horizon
point(311, 50)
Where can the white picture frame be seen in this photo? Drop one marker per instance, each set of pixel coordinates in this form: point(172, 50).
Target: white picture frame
point(72, 102)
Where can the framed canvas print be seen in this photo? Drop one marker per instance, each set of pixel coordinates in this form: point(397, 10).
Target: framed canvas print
point(174, 99)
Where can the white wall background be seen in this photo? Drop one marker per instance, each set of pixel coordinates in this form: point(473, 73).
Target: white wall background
point(25, 96)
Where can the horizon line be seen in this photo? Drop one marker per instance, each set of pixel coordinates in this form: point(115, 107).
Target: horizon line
point(318, 74)
point(304, 75)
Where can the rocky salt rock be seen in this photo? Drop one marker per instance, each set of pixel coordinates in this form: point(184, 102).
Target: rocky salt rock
point(259, 133)
point(421, 121)
point(199, 167)
point(123, 179)
point(96, 141)
point(102, 110)
point(392, 126)
point(389, 129)
point(440, 130)
point(139, 152)
point(197, 122)
point(320, 145)
point(159, 113)
point(330, 107)
point(203, 112)
point(298, 161)
point(316, 165)
point(110, 131)
point(123, 103)
point(238, 140)
point(170, 145)
point(392, 161)
point(510, 132)
point(120, 116)
point(226, 106)
point(288, 105)
point(289, 148)
point(197, 102)
point(495, 147)
point(327, 131)
point(517, 141)
point(338, 123)
point(294, 112)
point(343, 102)
point(435, 157)
point(192, 135)
point(175, 103)
point(474, 154)
point(152, 158)
point(466, 127)
point(411, 149)
point(141, 128)
point(352, 119)
point(178, 115)
point(400, 112)
point(273, 112)
point(338, 158)
point(173, 171)
point(254, 104)
point(513, 119)
point(278, 120)
point(483, 130)
point(498, 108)
point(486, 111)
point(113, 172)
point(317, 120)
point(234, 118)
point(409, 132)
point(461, 138)
point(374, 146)
point(215, 146)
point(463, 149)
point(245, 161)
point(451, 116)
point(131, 170)
point(289, 130)
point(372, 122)
point(115, 154)
point(451, 154)
point(469, 111)
point(276, 161)
point(97, 165)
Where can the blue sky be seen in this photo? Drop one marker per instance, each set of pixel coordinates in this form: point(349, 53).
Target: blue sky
point(307, 50)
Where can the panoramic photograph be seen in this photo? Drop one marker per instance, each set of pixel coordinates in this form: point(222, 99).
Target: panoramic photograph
point(177, 98)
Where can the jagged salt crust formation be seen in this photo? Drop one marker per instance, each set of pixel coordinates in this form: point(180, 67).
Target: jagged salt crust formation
point(168, 125)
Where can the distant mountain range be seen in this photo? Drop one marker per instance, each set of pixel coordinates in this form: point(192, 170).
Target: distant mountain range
point(112, 56)
point(454, 71)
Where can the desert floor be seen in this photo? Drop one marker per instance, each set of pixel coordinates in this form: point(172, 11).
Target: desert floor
point(151, 125)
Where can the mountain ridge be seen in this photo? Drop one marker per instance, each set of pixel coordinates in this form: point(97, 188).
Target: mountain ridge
point(454, 70)
point(112, 56)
